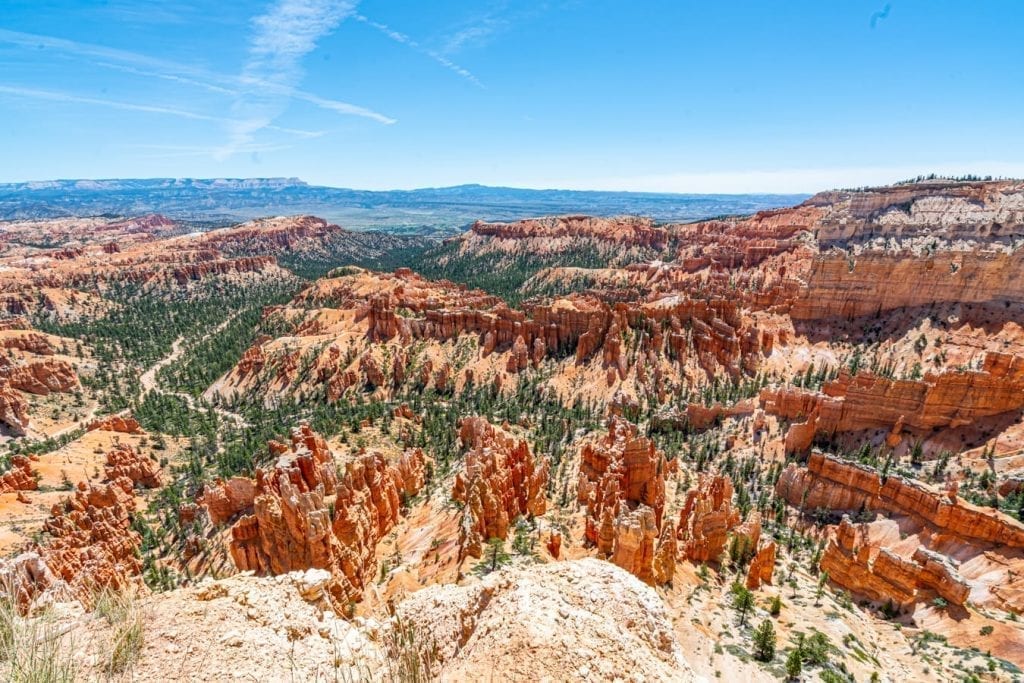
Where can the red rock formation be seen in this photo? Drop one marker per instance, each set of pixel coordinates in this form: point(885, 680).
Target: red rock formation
point(13, 410)
point(225, 499)
point(499, 481)
point(40, 376)
point(92, 544)
point(629, 231)
point(125, 462)
point(866, 401)
point(938, 573)
point(15, 322)
point(707, 518)
point(291, 527)
point(832, 484)
point(622, 483)
point(186, 273)
point(20, 477)
point(32, 342)
point(116, 423)
point(857, 559)
point(628, 460)
point(762, 567)
point(368, 506)
point(271, 235)
point(554, 544)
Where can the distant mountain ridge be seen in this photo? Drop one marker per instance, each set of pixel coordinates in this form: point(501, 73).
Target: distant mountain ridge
point(441, 210)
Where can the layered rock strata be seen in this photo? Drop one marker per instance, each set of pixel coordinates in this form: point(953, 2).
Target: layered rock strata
point(866, 401)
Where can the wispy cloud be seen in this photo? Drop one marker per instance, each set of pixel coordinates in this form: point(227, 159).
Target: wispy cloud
point(476, 34)
point(271, 72)
point(438, 57)
point(281, 38)
point(55, 96)
point(173, 78)
point(58, 96)
point(186, 151)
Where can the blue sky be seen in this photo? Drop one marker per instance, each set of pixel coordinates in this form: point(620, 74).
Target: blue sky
point(585, 94)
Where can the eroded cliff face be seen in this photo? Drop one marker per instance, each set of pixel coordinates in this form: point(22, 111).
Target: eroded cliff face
point(920, 555)
point(832, 484)
point(936, 209)
point(864, 559)
point(387, 332)
point(622, 238)
point(865, 401)
point(499, 481)
point(271, 235)
point(871, 283)
point(305, 516)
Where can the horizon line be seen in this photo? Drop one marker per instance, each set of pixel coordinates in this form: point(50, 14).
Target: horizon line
point(552, 187)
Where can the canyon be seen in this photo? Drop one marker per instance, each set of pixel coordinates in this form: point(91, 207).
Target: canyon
point(563, 447)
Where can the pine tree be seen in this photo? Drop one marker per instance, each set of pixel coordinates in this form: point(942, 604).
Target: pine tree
point(743, 601)
point(764, 641)
point(794, 665)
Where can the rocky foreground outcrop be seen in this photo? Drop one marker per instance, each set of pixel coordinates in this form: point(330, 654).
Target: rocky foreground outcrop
point(576, 620)
point(866, 401)
point(499, 481)
point(622, 484)
point(305, 516)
